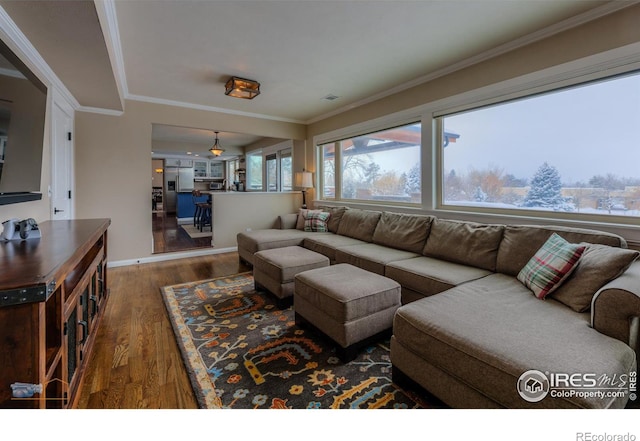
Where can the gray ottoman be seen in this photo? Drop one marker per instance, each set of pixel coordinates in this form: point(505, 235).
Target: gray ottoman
point(351, 306)
point(273, 270)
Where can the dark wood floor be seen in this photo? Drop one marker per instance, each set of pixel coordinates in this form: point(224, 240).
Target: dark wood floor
point(136, 363)
point(168, 237)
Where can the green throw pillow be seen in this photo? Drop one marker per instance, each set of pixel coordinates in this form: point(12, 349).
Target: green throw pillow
point(550, 266)
point(316, 221)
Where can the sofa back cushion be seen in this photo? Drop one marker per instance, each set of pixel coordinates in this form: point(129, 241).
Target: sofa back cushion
point(402, 231)
point(336, 216)
point(468, 243)
point(359, 224)
point(520, 243)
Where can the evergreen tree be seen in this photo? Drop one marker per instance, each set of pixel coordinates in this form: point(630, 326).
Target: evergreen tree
point(413, 184)
point(545, 188)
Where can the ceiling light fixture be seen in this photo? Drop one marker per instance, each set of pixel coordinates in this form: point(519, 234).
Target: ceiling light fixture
point(216, 149)
point(242, 88)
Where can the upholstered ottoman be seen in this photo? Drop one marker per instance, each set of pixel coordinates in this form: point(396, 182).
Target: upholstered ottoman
point(273, 270)
point(351, 306)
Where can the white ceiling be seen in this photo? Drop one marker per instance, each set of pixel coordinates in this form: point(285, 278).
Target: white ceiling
point(183, 51)
point(302, 51)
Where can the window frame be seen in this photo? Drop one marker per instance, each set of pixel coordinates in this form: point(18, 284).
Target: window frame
point(276, 152)
point(551, 88)
point(623, 60)
point(370, 128)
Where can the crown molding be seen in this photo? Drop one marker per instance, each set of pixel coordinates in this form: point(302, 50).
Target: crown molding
point(22, 47)
point(100, 110)
point(541, 34)
point(153, 100)
point(106, 10)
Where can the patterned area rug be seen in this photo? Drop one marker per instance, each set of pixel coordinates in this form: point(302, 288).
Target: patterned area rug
point(242, 352)
point(195, 233)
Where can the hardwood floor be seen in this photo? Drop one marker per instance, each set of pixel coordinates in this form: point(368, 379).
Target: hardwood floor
point(168, 237)
point(136, 362)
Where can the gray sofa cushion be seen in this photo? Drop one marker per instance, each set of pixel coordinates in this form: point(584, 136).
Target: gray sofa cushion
point(258, 240)
point(328, 243)
point(402, 231)
point(428, 276)
point(520, 243)
point(468, 243)
point(370, 256)
point(359, 224)
point(488, 332)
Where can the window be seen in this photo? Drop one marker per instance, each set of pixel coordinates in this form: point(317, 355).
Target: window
point(278, 172)
point(572, 150)
point(381, 166)
point(254, 170)
point(271, 162)
point(328, 176)
point(286, 170)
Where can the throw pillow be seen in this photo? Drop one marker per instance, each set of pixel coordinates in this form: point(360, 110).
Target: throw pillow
point(316, 222)
point(598, 265)
point(301, 214)
point(550, 265)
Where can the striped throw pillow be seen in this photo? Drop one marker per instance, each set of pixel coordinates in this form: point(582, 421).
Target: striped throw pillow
point(550, 266)
point(316, 221)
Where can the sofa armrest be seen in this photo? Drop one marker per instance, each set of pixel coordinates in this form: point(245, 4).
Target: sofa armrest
point(615, 308)
point(287, 221)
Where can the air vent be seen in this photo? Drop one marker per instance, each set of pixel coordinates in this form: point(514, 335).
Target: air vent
point(331, 97)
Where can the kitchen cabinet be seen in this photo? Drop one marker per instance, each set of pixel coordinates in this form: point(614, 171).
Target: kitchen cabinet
point(200, 168)
point(172, 162)
point(217, 169)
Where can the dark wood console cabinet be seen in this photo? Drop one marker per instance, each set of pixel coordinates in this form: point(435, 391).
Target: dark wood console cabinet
point(53, 291)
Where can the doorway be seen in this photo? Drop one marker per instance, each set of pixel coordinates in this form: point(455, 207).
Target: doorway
point(168, 234)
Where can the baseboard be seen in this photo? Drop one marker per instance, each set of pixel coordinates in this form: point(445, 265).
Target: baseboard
point(171, 256)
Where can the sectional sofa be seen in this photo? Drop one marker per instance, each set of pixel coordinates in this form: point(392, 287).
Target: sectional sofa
point(471, 331)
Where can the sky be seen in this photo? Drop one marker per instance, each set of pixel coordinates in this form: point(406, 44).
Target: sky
point(584, 131)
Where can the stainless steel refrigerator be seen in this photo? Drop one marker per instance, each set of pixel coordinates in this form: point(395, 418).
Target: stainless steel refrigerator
point(176, 180)
point(170, 193)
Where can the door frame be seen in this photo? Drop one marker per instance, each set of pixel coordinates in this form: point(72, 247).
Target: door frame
point(60, 104)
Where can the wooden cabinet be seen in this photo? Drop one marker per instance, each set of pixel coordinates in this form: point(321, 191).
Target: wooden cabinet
point(53, 291)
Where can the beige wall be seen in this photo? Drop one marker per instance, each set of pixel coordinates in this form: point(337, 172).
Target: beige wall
point(610, 32)
point(112, 156)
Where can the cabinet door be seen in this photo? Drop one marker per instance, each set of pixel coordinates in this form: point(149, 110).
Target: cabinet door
point(200, 169)
point(217, 169)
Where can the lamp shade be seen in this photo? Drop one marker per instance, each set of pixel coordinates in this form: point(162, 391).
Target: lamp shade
point(304, 179)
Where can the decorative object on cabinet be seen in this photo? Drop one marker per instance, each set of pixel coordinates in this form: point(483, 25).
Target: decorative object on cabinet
point(53, 292)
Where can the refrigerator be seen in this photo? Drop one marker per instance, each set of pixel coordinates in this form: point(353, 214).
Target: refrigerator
point(170, 194)
point(176, 180)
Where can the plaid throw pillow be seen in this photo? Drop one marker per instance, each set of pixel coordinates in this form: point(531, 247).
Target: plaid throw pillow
point(316, 221)
point(550, 266)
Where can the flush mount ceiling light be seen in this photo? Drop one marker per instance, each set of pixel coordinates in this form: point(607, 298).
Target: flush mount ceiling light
point(242, 88)
point(216, 149)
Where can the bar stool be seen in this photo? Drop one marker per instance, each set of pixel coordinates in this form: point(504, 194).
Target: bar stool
point(195, 194)
point(206, 218)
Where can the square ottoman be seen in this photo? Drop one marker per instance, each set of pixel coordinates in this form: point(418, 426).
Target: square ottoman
point(273, 270)
point(351, 306)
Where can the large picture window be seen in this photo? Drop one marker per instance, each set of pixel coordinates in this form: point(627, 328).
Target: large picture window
point(381, 166)
point(574, 150)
